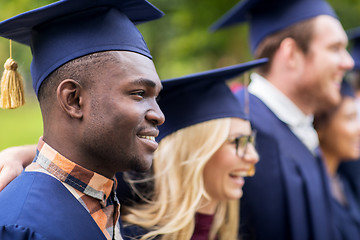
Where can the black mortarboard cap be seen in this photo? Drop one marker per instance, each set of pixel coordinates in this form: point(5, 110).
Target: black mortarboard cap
point(68, 29)
point(346, 89)
point(354, 37)
point(200, 97)
point(269, 16)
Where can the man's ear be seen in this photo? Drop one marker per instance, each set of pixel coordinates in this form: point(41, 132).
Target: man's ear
point(69, 95)
point(291, 52)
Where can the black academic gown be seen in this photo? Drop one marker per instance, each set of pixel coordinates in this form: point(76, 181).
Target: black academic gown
point(289, 197)
point(37, 206)
point(347, 218)
point(351, 172)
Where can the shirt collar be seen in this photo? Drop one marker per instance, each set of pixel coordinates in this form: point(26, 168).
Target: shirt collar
point(299, 123)
point(277, 102)
point(84, 180)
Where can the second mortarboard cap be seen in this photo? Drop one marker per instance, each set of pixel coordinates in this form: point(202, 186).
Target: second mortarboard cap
point(68, 29)
point(200, 97)
point(269, 16)
point(354, 37)
point(346, 89)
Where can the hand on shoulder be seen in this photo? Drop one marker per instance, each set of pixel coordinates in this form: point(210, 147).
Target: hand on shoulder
point(13, 160)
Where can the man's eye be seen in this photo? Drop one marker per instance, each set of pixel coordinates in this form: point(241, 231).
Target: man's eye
point(139, 93)
point(335, 48)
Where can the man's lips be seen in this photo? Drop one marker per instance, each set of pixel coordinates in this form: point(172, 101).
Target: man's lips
point(148, 133)
point(152, 138)
point(148, 137)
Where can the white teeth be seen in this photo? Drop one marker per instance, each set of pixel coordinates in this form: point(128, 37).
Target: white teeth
point(239, 174)
point(152, 138)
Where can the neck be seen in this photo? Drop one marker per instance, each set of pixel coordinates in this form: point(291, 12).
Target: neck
point(306, 107)
point(207, 206)
point(287, 81)
point(72, 152)
point(331, 163)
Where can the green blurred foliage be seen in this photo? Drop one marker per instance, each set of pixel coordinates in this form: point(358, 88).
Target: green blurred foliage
point(180, 43)
point(20, 126)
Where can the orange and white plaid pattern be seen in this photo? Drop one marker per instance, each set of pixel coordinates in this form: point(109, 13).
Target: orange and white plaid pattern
point(94, 191)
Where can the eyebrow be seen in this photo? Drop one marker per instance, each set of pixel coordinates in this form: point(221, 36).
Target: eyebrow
point(238, 135)
point(146, 82)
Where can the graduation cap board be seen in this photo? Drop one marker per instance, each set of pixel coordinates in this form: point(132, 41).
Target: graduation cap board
point(269, 16)
point(68, 29)
point(200, 97)
point(346, 89)
point(354, 37)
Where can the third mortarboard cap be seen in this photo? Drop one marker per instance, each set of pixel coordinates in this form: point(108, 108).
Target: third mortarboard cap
point(200, 97)
point(269, 16)
point(347, 90)
point(68, 29)
point(354, 36)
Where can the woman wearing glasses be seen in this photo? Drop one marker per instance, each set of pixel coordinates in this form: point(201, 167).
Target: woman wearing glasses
point(206, 149)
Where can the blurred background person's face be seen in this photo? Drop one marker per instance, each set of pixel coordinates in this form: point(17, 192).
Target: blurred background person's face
point(340, 136)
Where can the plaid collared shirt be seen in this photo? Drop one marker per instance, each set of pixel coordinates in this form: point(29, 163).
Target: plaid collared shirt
point(95, 192)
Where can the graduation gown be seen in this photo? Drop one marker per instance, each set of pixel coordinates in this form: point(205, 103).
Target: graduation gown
point(201, 232)
point(288, 198)
point(347, 218)
point(37, 206)
point(135, 232)
point(350, 171)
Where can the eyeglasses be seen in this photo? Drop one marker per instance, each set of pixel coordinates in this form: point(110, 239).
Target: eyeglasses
point(241, 143)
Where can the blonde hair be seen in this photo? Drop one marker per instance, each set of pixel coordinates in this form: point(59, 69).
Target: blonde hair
point(179, 186)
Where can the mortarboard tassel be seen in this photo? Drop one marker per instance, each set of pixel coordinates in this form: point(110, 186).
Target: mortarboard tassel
point(12, 88)
point(251, 171)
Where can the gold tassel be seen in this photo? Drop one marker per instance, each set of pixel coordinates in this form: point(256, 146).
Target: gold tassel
point(12, 88)
point(246, 95)
point(251, 171)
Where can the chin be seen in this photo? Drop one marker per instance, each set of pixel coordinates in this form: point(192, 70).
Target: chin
point(355, 157)
point(335, 99)
point(143, 165)
point(235, 196)
point(351, 157)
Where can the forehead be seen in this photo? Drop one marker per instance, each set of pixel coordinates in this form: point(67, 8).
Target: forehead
point(132, 67)
point(328, 29)
point(239, 126)
point(348, 105)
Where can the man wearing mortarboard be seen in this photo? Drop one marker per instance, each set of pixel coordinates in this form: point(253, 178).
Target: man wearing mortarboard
point(306, 45)
point(97, 88)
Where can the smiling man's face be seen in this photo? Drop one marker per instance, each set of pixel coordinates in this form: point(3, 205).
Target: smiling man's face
point(124, 114)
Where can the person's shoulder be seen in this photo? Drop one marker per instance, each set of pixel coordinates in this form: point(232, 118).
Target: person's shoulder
point(15, 220)
point(22, 187)
point(14, 231)
point(14, 196)
point(134, 231)
point(26, 197)
point(39, 202)
point(260, 115)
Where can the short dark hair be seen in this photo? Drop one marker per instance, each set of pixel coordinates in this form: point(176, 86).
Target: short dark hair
point(82, 69)
point(353, 77)
point(323, 116)
point(301, 32)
